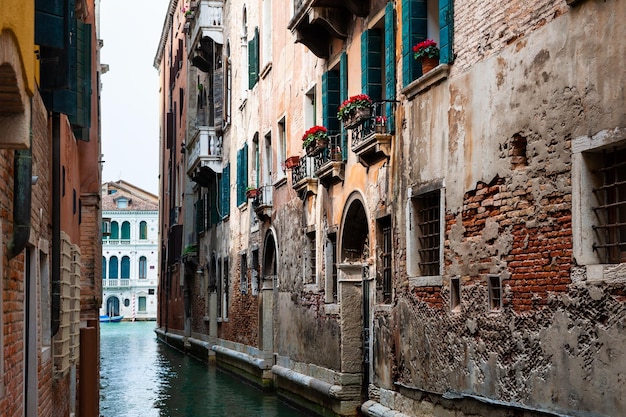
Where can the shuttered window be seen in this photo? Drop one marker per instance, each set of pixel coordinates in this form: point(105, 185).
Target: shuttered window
point(371, 64)
point(225, 191)
point(242, 174)
point(253, 59)
point(390, 61)
point(330, 100)
point(415, 29)
point(343, 95)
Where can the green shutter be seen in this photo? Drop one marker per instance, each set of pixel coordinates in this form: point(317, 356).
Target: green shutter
point(390, 61)
point(371, 61)
point(225, 182)
point(446, 31)
point(413, 31)
point(343, 95)
point(330, 100)
point(50, 23)
point(82, 121)
point(253, 59)
point(240, 187)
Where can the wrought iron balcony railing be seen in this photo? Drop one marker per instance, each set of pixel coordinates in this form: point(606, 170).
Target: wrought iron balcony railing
point(371, 140)
point(329, 164)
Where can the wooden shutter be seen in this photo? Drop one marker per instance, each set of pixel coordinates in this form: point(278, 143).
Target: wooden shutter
point(446, 31)
point(413, 31)
point(343, 95)
point(253, 59)
point(390, 61)
point(241, 189)
point(82, 121)
point(330, 100)
point(50, 27)
point(371, 60)
point(225, 189)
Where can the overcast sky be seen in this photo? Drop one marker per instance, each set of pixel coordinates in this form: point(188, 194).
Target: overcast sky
point(131, 30)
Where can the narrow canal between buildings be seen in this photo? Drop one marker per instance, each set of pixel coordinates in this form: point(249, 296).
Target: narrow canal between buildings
point(142, 377)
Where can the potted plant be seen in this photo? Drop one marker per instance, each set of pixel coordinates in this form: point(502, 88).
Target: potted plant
point(315, 140)
point(252, 192)
point(380, 124)
point(292, 161)
point(427, 53)
point(355, 110)
point(336, 155)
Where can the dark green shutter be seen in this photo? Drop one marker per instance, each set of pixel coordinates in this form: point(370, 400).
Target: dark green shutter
point(226, 191)
point(446, 31)
point(253, 59)
point(413, 31)
point(371, 61)
point(390, 62)
point(82, 121)
point(343, 95)
point(50, 27)
point(330, 100)
point(241, 189)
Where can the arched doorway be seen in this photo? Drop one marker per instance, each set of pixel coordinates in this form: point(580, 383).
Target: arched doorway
point(113, 306)
point(354, 289)
point(268, 280)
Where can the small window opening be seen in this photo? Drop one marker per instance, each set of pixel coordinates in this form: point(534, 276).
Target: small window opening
point(455, 294)
point(495, 293)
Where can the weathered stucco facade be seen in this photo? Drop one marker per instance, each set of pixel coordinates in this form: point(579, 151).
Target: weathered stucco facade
point(451, 256)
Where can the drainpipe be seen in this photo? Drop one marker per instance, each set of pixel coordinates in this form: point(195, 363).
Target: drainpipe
point(56, 223)
point(22, 178)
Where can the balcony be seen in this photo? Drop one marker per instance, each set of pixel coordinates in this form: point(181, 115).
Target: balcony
point(329, 165)
point(371, 140)
point(206, 20)
point(116, 283)
point(263, 203)
point(317, 22)
point(204, 153)
point(303, 177)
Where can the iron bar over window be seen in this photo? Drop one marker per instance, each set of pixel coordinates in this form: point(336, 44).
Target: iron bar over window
point(428, 224)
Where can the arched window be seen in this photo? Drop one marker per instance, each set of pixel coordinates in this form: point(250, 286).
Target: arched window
point(113, 267)
point(115, 230)
point(104, 268)
point(125, 267)
point(126, 231)
point(142, 267)
point(143, 230)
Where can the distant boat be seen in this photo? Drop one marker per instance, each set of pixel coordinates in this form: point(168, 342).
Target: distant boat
point(110, 319)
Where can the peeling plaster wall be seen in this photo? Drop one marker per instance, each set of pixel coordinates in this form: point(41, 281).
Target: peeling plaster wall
point(500, 135)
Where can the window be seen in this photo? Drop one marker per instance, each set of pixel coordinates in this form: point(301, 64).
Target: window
point(255, 272)
point(253, 60)
point(245, 61)
point(126, 302)
point(115, 230)
point(311, 270)
point(310, 115)
point(228, 86)
point(104, 267)
point(610, 194)
point(113, 265)
point(385, 251)
point(151, 291)
point(267, 32)
point(425, 235)
point(121, 203)
point(125, 267)
point(282, 137)
point(44, 277)
point(256, 168)
point(225, 190)
point(242, 174)
point(435, 21)
point(142, 267)
point(126, 231)
point(330, 267)
point(495, 293)
point(143, 230)
point(268, 156)
point(455, 294)
point(225, 287)
point(243, 274)
point(141, 304)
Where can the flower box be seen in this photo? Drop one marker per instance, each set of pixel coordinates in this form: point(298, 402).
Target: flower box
point(252, 192)
point(316, 147)
point(292, 161)
point(357, 117)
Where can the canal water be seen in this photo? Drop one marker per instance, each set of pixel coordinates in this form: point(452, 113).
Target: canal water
point(140, 377)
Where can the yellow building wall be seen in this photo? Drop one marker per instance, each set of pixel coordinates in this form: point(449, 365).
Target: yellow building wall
point(17, 19)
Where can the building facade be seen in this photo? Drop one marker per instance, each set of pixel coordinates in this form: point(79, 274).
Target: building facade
point(460, 249)
point(129, 252)
point(50, 208)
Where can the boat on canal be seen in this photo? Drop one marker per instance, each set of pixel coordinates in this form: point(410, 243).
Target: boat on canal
point(105, 318)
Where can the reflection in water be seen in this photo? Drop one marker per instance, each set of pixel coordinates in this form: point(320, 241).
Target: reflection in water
point(141, 377)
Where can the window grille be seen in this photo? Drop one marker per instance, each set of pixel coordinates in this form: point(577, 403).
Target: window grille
point(495, 293)
point(243, 278)
point(386, 258)
point(611, 209)
point(312, 270)
point(429, 238)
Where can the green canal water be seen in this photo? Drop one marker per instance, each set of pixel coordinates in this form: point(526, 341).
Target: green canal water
point(142, 377)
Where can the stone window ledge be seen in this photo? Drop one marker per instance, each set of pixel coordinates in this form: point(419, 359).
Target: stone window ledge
point(423, 83)
point(434, 281)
